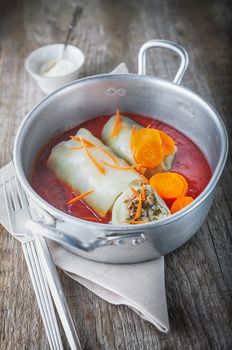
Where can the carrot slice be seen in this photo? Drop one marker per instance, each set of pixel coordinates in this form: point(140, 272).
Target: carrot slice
point(117, 126)
point(180, 203)
point(147, 147)
point(130, 167)
point(78, 198)
point(99, 167)
point(167, 143)
point(169, 185)
point(139, 208)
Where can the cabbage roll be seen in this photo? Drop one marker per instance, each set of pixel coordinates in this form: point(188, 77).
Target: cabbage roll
point(77, 170)
point(125, 208)
point(121, 144)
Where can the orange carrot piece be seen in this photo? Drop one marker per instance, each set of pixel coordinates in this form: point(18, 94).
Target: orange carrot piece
point(78, 198)
point(147, 147)
point(167, 143)
point(136, 193)
point(78, 139)
point(143, 193)
point(99, 167)
point(134, 222)
point(169, 185)
point(114, 159)
point(117, 126)
point(180, 203)
point(132, 136)
point(79, 148)
point(130, 167)
point(139, 208)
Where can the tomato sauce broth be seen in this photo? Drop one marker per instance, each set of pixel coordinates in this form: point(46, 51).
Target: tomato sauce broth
point(189, 161)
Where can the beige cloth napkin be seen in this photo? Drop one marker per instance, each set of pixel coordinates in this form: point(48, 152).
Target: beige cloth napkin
point(139, 286)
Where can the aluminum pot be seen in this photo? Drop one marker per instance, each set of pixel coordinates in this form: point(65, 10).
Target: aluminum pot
point(136, 93)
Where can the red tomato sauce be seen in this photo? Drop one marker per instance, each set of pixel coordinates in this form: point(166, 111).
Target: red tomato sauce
point(189, 161)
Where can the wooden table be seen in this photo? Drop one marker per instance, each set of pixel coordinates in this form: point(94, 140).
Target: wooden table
point(198, 275)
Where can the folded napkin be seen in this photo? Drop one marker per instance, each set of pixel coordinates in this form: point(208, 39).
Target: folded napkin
point(139, 286)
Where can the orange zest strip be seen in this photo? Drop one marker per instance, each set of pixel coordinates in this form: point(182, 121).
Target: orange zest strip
point(134, 222)
point(130, 167)
point(136, 193)
point(117, 126)
point(97, 165)
point(78, 198)
point(180, 203)
point(143, 192)
point(108, 154)
point(139, 209)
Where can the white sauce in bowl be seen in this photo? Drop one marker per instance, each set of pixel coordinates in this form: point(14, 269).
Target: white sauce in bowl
point(62, 67)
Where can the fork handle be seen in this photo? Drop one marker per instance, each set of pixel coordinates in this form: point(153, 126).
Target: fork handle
point(57, 292)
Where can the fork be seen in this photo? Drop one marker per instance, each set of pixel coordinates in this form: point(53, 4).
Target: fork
point(19, 214)
point(15, 203)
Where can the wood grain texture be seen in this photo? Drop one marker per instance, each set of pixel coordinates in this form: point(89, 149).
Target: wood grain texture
point(198, 275)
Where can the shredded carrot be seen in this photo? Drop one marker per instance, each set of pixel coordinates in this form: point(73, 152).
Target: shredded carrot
point(110, 155)
point(117, 126)
point(90, 145)
point(144, 179)
point(79, 148)
point(78, 198)
point(139, 209)
point(143, 192)
point(132, 136)
point(136, 193)
point(99, 167)
point(148, 126)
point(180, 203)
point(134, 222)
point(130, 167)
point(169, 185)
point(87, 142)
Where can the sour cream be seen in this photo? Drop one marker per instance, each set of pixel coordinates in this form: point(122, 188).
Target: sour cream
point(62, 67)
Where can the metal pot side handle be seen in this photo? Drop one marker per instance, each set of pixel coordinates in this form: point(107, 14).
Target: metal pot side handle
point(55, 235)
point(182, 53)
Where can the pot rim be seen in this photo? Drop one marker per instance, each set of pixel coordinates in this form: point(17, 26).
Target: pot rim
point(56, 213)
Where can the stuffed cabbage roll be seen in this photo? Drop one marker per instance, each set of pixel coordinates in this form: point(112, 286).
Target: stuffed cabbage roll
point(119, 133)
point(85, 164)
point(137, 205)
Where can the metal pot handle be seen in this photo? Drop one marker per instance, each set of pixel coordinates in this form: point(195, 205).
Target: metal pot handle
point(58, 236)
point(167, 45)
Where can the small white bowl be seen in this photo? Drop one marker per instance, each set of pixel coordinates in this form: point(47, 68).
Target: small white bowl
point(37, 58)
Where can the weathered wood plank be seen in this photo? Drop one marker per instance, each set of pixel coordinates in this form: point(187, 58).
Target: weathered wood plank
point(198, 275)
